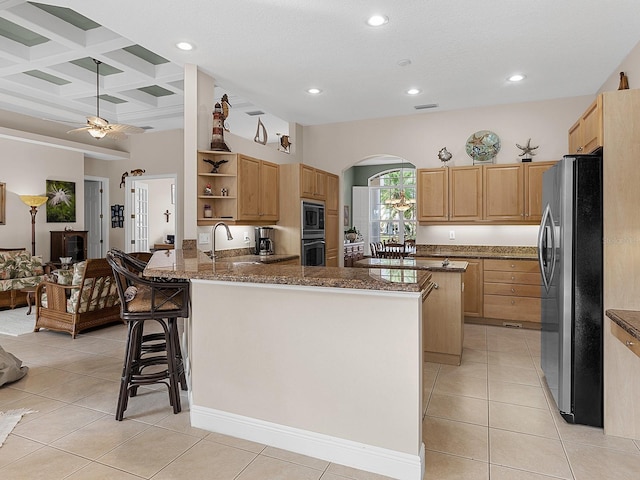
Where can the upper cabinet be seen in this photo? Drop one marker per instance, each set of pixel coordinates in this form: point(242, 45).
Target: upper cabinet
point(503, 188)
point(450, 194)
point(465, 194)
point(586, 135)
point(497, 193)
point(258, 190)
point(238, 189)
point(313, 183)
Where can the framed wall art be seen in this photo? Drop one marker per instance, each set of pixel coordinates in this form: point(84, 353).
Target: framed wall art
point(117, 216)
point(61, 206)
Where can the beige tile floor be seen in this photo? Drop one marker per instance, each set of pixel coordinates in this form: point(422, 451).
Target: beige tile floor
point(488, 418)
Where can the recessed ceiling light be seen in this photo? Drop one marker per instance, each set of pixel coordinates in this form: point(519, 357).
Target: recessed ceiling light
point(516, 78)
point(314, 91)
point(186, 46)
point(413, 91)
point(404, 62)
point(377, 20)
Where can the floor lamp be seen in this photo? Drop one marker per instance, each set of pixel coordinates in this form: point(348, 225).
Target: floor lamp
point(33, 201)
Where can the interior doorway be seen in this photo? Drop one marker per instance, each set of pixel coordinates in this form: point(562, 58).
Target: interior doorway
point(96, 219)
point(150, 211)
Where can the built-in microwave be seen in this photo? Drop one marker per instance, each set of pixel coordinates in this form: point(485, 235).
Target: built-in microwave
point(312, 220)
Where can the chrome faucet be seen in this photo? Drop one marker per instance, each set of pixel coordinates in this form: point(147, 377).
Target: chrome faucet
point(213, 238)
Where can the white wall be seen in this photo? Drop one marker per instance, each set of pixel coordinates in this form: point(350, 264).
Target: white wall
point(630, 66)
point(25, 169)
point(155, 152)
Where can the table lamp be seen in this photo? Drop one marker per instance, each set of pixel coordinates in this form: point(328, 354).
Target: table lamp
point(33, 201)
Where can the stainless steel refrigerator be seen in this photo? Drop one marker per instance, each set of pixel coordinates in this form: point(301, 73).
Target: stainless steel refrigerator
point(570, 255)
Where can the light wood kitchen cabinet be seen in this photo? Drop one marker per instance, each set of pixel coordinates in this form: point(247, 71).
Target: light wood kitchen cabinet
point(433, 196)
point(512, 291)
point(443, 319)
point(331, 220)
point(465, 193)
point(473, 284)
point(257, 190)
point(313, 183)
point(243, 189)
point(513, 192)
point(299, 182)
point(533, 189)
point(473, 287)
point(586, 135)
point(450, 194)
point(503, 189)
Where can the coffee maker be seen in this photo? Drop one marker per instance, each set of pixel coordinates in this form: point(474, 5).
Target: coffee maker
point(264, 240)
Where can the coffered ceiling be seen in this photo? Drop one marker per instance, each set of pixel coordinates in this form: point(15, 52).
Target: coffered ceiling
point(267, 53)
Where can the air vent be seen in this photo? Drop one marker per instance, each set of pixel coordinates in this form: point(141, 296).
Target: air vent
point(147, 127)
point(255, 113)
point(425, 106)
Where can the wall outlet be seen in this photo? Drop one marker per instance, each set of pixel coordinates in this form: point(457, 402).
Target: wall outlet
point(452, 234)
point(204, 238)
point(246, 237)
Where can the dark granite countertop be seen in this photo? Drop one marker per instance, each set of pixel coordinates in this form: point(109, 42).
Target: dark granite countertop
point(276, 258)
point(412, 264)
point(477, 251)
point(628, 320)
point(194, 264)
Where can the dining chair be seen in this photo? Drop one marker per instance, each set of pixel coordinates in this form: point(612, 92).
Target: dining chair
point(393, 250)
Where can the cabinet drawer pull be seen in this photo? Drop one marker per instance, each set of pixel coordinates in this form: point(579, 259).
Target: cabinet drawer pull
point(513, 302)
point(513, 266)
point(512, 277)
point(629, 343)
point(513, 290)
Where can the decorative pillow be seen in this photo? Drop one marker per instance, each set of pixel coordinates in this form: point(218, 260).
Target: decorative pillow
point(130, 293)
point(78, 272)
point(64, 277)
point(23, 265)
point(7, 265)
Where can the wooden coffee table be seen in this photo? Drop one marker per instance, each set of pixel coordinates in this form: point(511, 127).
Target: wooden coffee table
point(31, 296)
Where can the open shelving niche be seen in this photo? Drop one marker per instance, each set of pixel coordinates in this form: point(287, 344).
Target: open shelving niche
point(224, 208)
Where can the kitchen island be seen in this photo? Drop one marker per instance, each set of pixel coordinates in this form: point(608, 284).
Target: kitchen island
point(443, 315)
point(322, 361)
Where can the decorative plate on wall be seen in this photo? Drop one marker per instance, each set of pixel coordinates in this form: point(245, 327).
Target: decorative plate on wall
point(483, 146)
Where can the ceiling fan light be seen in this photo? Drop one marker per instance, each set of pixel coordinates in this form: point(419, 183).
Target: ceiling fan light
point(97, 133)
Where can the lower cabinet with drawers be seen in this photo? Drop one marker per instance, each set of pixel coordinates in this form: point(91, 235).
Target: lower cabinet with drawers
point(512, 292)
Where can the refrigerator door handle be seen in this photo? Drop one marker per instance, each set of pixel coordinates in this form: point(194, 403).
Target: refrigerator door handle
point(546, 240)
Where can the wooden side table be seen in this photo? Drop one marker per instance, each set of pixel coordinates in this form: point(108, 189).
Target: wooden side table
point(31, 296)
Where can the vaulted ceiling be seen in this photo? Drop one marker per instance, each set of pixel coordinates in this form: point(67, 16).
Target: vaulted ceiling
point(267, 53)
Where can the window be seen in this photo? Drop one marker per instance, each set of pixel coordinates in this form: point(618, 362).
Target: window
point(389, 224)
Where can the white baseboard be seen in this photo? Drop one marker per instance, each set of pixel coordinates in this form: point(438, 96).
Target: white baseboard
point(391, 463)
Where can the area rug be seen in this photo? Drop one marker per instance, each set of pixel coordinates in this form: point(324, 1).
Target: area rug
point(8, 421)
point(16, 322)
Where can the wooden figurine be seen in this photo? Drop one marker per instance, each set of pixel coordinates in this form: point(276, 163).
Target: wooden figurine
point(624, 82)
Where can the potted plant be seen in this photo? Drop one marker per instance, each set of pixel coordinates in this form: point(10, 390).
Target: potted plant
point(351, 234)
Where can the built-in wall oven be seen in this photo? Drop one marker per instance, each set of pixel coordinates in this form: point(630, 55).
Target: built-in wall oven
point(313, 244)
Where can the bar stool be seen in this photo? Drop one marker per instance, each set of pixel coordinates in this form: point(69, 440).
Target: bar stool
point(152, 342)
point(143, 300)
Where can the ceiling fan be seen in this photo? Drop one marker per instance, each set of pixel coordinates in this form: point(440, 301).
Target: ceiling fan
point(97, 126)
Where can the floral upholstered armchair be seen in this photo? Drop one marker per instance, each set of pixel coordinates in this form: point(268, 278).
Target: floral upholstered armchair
point(18, 269)
point(72, 303)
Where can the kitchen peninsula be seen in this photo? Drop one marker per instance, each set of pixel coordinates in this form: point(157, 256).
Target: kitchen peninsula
point(322, 361)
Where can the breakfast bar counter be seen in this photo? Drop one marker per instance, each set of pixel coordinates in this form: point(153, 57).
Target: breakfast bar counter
point(321, 361)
